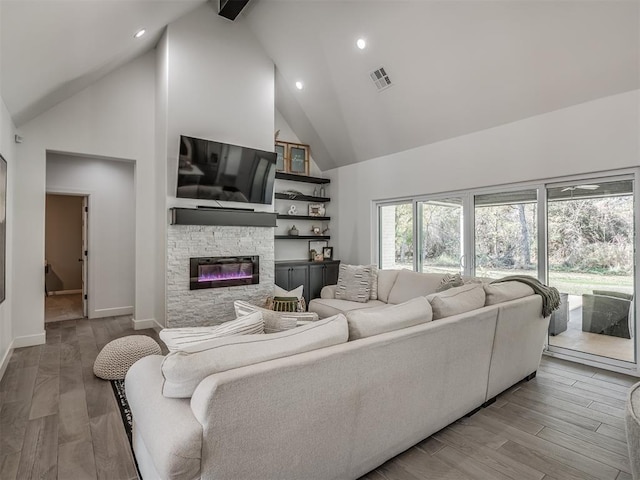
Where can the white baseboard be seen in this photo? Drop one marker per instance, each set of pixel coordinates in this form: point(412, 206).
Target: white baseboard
point(30, 340)
point(146, 323)
point(111, 312)
point(64, 292)
point(5, 360)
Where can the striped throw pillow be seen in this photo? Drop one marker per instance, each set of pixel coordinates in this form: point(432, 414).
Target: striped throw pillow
point(196, 339)
point(275, 321)
point(354, 283)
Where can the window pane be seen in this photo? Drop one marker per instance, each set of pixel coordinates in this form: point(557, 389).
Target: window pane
point(441, 235)
point(396, 236)
point(506, 229)
point(590, 235)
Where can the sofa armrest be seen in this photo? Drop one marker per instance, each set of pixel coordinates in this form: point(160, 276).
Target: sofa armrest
point(328, 292)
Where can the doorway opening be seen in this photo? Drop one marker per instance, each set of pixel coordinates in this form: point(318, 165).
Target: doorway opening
point(66, 221)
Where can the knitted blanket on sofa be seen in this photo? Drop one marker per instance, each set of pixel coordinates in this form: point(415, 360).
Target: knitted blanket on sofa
point(550, 295)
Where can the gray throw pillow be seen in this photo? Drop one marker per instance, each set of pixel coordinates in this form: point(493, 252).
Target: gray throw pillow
point(354, 283)
point(450, 281)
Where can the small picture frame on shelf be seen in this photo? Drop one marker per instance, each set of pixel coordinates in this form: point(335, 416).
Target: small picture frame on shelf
point(316, 248)
point(298, 157)
point(327, 253)
point(281, 156)
point(316, 210)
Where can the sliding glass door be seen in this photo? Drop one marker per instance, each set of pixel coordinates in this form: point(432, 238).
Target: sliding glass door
point(441, 235)
point(395, 235)
point(577, 236)
point(591, 248)
point(506, 233)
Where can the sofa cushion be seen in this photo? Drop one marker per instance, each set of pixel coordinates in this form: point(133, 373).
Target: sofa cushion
point(274, 321)
point(386, 281)
point(410, 285)
point(195, 339)
point(505, 291)
point(327, 307)
point(457, 300)
point(183, 372)
point(374, 321)
point(354, 283)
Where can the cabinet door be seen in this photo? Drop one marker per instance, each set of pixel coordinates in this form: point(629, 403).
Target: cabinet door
point(331, 273)
point(282, 276)
point(299, 275)
point(316, 280)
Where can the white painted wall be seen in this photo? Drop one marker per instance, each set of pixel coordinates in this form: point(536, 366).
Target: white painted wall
point(111, 236)
point(590, 137)
point(8, 152)
point(63, 241)
point(220, 87)
point(113, 118)
point(162, 98)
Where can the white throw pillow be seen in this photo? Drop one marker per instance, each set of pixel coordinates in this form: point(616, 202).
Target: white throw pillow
point(196, 339)
point(457, 300)
point(374, 282)
point(274, 321)
point(183, 371)
point(366, 322)
point(354, 283)
point(281, 292)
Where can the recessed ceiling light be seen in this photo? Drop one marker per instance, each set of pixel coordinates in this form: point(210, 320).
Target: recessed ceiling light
point(140, 33)
point(361, 43)
point(299, 85)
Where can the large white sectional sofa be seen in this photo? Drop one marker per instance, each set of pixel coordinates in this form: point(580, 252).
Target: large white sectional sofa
point(354, 399)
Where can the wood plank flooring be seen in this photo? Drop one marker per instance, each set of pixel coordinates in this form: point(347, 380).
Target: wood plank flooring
point(57, 420)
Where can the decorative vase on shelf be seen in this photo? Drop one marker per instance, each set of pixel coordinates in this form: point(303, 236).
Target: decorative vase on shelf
point(315, 192)
point(322, 192)
point(294, 231)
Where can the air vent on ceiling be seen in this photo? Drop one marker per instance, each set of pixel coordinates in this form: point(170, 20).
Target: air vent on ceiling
point(380, 79)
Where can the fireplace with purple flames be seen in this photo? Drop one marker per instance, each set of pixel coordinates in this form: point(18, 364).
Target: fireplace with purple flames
point(213, 272)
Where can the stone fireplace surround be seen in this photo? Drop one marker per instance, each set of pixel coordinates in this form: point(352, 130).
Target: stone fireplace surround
point(188, 308)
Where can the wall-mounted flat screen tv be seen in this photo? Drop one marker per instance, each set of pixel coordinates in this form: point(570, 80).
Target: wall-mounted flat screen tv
point(209, 170)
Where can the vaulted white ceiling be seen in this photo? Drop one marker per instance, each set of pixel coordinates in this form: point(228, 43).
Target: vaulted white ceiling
point(52, 49)
point(456, 66)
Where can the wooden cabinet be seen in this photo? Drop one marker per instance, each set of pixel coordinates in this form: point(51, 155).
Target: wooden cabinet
point(313, 275)
point(321, 274)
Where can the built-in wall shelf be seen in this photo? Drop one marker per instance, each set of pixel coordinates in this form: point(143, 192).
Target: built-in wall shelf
point(302, 237)
point(301, 198)
point(222, 216)
point(301, 178)
point(303, 217)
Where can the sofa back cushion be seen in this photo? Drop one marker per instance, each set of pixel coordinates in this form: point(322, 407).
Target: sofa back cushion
point(183, 372)
point(386, 281)
point(457, 300)
point(374, 321)
point(410, 285)
point(505, 291)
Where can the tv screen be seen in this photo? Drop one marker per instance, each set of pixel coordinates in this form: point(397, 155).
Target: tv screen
point(209, 170)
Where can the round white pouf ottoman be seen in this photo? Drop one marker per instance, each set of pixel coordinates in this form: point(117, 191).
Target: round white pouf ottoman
point(117, 356)
point(632, 420)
